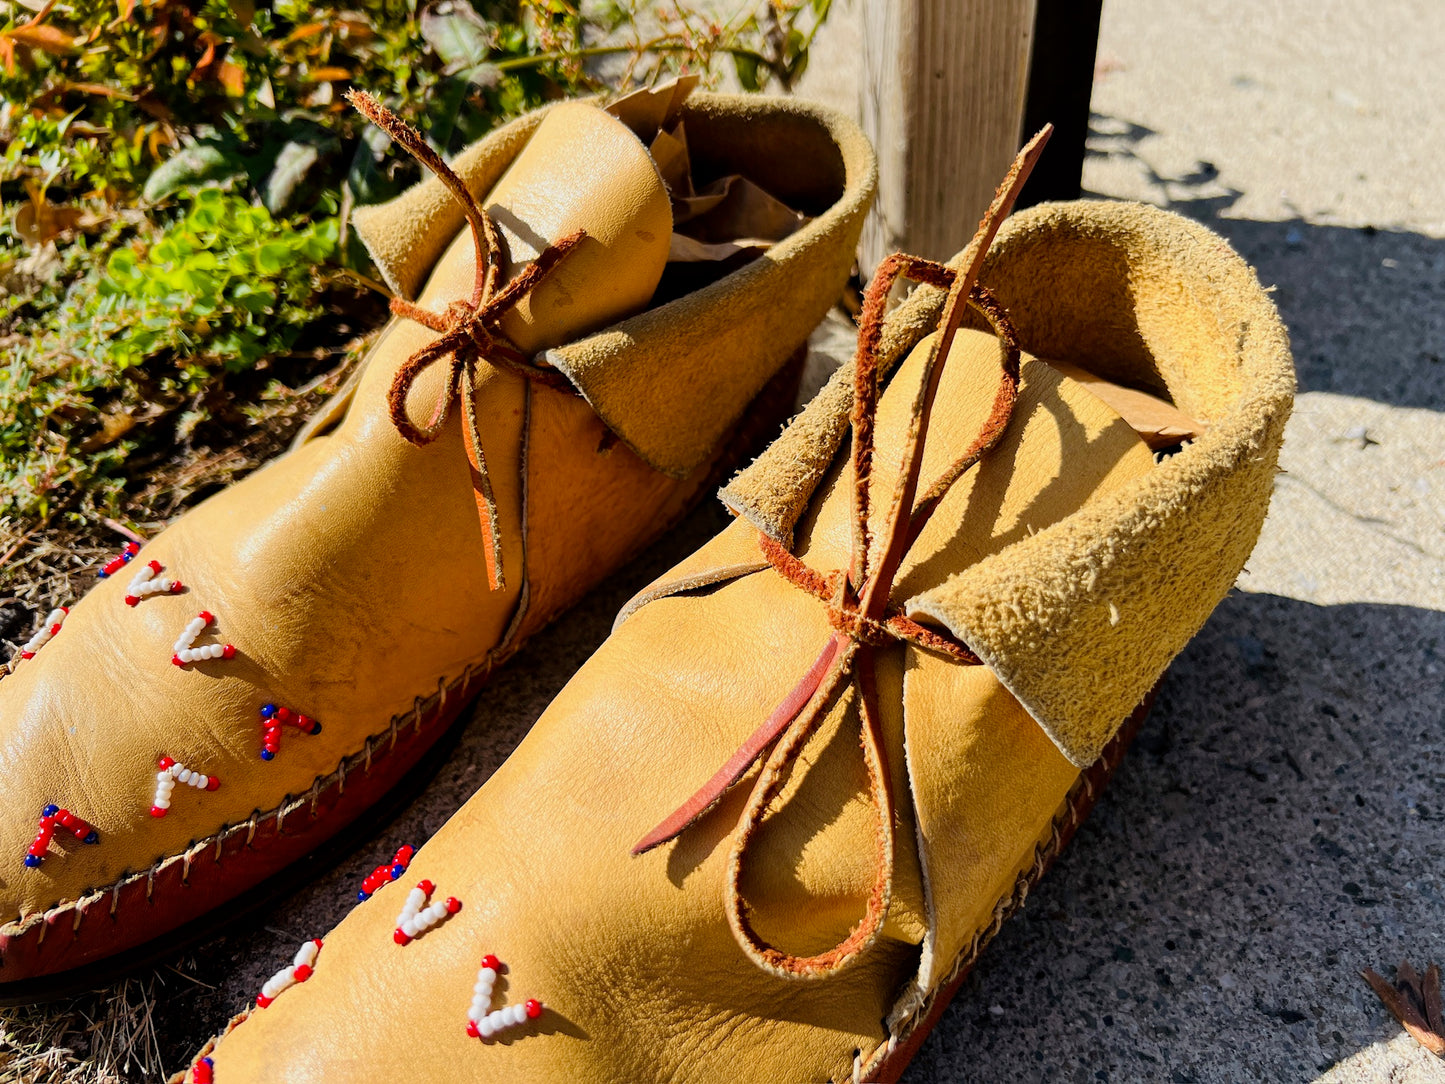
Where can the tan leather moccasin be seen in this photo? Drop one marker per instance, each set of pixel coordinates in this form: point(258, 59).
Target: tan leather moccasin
point(915, 651)
point(341, 606)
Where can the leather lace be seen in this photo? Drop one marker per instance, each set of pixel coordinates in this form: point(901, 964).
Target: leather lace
point(470, 331)
point(858, 597)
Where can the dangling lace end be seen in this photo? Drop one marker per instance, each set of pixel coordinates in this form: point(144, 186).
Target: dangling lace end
point(711, 792)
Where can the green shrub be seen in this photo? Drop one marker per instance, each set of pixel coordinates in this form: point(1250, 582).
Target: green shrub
point(177, 180)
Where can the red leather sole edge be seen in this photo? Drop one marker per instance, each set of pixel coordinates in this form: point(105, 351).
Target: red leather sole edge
point(1077, 807)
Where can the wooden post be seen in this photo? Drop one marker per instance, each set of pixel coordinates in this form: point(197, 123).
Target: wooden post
point(1061, 79)
point(942, 98)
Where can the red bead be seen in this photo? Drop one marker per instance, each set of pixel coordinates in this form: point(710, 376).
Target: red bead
point(65, 609)
point(534, 1008)
point(472, 1029)
point(132, 548)
point(130, 600)
point(177, 587)
point(55, 628)
point(262, 1001)
point(283, 715)
point(317, 942)
point(229, 651)
point(164, 763)
point(155, 567)
point(302, 973)
point(453, 905)
point(427, 887)
point(175, 659)
point(207, 616)
point(28, 654)
point(66, 817)
point(212, 783)
point(399, 937)
point(113, 566)
point(157, 811)
point(491, 961)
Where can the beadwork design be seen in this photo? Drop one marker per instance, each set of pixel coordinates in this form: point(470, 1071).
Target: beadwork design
point(51, 817)
point(115, 564)
point(415, 919)
point(172, 772)
point(148, 581)
point(482, 1024)
point(203, 1072)
point(299, 970)
point(385, 874)
point(273, 718)
point(53, 620)
point(185, 653)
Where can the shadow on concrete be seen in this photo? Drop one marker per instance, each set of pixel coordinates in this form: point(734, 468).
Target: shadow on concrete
point(1278, 825)
point(1365, 306)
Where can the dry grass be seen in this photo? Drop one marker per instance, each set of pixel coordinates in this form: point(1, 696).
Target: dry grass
point(106, 1037)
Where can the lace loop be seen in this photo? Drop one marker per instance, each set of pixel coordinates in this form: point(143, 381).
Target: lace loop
point(857, 599)
point(470, 331)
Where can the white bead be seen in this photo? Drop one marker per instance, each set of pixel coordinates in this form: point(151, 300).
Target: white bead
point(163, 803)
point(488, 974)
point(163, 777)
point(409, 928)
point(200, 781)
point(184, 775)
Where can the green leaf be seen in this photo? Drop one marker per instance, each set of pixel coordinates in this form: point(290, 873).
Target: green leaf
point(272, 257)
point(456, 32)
point(283, 184)
point(747, 68)
point(191, 166)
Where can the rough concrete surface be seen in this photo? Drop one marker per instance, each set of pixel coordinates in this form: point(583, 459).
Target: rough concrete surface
point(1280, 823)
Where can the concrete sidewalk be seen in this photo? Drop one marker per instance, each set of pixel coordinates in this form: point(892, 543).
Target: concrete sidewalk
point(1281, 822)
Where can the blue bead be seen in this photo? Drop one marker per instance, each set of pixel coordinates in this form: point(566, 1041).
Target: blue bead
point(315, 729)
point(126, 556)
point(363, 896)
point(266, 754)
point(103, 574)
point(94, 837)
point(32, 860)
point(396, 872)
point(268, 710)
point(50, 811)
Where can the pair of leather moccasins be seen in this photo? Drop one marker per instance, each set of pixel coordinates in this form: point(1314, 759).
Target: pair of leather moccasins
point(767, 828)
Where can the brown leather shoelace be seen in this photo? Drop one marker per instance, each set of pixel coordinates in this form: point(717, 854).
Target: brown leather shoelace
point(858, 597)
point(471, 331)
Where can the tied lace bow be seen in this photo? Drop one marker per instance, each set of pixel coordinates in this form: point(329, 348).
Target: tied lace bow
point(857, 597)
point(470, 331)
